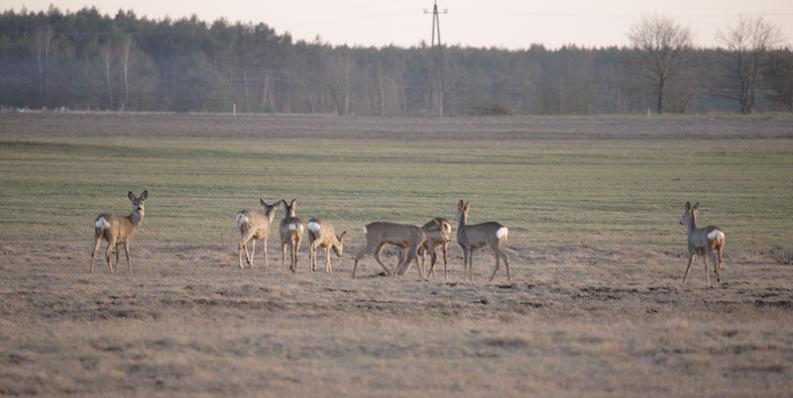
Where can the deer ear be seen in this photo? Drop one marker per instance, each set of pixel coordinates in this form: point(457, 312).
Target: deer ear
point(131, 195)
point(343, 234)
point(144, 195)
point(460, 204)
point(696, 206)
point(263, 203)
point(284, 201)
point(688, 205)
point(467, 204)
point(293, 205)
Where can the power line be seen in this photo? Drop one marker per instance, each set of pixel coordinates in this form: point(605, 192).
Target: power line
point(436, 26)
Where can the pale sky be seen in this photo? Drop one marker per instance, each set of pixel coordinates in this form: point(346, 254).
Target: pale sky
point(501, 23)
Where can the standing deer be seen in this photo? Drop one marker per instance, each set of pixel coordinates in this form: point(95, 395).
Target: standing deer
point(472, 237)
point(707, 242)
point(438, 232)
point(321, 233)
point(117, 230)
point(291, 231)
point(407, 237)
point(254, 224)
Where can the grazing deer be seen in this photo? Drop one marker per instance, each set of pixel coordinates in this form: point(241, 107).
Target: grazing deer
point(472, 237)
point(291, 230)
point(707, 242)
point(407, 237)
point(321, 233)
point(117, 230)
point(254, 224)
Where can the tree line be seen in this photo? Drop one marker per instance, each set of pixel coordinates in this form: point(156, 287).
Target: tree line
point(87, 60)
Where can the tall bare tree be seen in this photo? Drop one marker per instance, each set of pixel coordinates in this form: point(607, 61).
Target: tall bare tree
point(747, 42)
point(42, 44)
point(107, 56)
point(664, 46)
point(125, 50)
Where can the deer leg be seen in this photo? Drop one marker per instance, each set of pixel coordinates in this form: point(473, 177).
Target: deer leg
point(498, 264)
point(358, 256)
point(688, 267)
point(465, 264)
point(126, 254)
point(377, 253)
point(266, 259)
point(253, 250)
point(312, 254)
point(283, 255)
point(97, 242)
point(108, 252)
point(471, 264)
point(328, 265)
point(117, 253)
point(506, 263)
point(718, 263)
point(705, 261)
point(243, 247)
point(445, 267)
point(293, 253)
point(419, 266)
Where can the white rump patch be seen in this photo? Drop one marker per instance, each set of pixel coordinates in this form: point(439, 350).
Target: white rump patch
point(364, 229)
point(714, 234)
point(102, 223)
point(502, 233)
point(313, 227)
point(294, 227)
point(241, 219)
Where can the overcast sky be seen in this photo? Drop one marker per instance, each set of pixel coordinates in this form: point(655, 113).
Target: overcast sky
point(500, 23)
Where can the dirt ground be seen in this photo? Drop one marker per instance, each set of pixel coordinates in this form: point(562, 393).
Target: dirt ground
point(574, 321)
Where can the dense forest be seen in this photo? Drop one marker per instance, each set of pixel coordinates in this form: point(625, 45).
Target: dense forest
point(86, 60)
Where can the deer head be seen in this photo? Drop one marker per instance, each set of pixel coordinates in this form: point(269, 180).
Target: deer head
point(137, 202)
point(462, 211)
point(291, 208)
point(689, 213)
point(269, 209)
point(339, 247)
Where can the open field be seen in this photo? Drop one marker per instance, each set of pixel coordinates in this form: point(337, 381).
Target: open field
point(595, 305)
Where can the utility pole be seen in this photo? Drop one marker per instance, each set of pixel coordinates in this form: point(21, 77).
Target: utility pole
point(436, 26)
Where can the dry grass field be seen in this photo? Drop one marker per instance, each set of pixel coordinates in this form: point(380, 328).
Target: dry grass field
point(595, 306)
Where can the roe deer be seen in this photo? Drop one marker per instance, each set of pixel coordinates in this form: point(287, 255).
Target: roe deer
point(472, 237)
point(438, 232)
point(254, 224)
point(707, 242)
point(322, 233)
point(378, 234)
point(291, 231)
point(117, 230)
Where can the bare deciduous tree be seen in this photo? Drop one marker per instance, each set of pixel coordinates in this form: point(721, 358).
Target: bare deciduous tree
point(664, 47)
point(747, 42)
point(106, 55)
point(125, 50)
point(42, 43)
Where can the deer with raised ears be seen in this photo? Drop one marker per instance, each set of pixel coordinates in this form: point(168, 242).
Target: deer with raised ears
point(472, 237)
point(118, 230)
point(291, 230)
point(378, 234)
point(322, 234)
point(254, 224)
point(707, 242)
